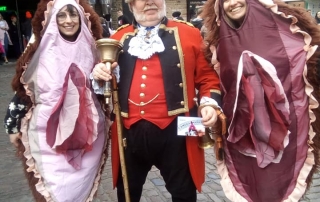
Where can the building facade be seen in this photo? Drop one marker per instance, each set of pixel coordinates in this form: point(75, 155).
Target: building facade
point(188, 8)
point(109, 8)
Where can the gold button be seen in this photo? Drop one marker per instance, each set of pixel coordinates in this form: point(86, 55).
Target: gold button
point(174, 47)
point(170, 31)
point(142, 94)
point(142, 112)
point(127, 37)
point(141, 103)
point(178, 65)
point(143, 76)
point(144, 68)
point(143, 85)
point(181, 85)
point(182, 103)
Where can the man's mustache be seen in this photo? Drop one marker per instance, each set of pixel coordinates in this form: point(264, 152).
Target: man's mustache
point(150, 8)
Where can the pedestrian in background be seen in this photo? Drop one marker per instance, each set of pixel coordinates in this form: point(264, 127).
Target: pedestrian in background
point(177, 15)
point(14, 35)
point(198, 21)
point(4, 38)
point(122, 19)
point(105, 27)
point(317, 17)
point(27, 27)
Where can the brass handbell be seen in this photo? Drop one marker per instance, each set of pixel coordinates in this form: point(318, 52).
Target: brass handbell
point(206, 140)
point(109, 50)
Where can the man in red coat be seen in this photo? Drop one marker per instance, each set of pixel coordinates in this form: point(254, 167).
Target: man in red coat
point(161, 66)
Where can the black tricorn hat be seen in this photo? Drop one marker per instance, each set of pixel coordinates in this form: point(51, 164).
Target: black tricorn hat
point(176, 14)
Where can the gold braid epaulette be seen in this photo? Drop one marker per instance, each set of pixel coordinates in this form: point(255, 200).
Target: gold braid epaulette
point(185, 22)
point(123, 26)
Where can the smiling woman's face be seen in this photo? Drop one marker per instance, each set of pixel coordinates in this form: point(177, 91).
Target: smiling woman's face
point(68, 21)
point(235, 10)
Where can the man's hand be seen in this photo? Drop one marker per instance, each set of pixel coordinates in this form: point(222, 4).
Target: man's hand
point(101, 72)
point(209, 116)
point(14, 139)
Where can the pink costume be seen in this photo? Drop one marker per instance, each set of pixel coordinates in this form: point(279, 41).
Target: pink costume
point(267, 100)
point(64, 132)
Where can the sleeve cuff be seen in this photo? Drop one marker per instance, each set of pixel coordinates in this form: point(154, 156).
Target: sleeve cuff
point(209, 101)
point(95, 86)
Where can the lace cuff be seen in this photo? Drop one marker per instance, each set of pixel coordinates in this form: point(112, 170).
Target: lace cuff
point(97, 89)
point(210, 102)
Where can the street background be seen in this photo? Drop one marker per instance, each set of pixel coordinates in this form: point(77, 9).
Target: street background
point(14, 186)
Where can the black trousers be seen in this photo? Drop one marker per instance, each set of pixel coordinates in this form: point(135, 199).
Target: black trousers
point(148, 145)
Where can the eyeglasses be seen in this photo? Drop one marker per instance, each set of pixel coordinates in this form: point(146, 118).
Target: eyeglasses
point(62, 16)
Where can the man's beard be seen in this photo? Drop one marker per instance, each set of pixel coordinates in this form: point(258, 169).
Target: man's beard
point(142, 17)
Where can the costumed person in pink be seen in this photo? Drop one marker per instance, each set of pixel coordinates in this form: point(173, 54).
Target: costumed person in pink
point(54, 111)
point(160, 69)
point(4, 38)
point(266, 54)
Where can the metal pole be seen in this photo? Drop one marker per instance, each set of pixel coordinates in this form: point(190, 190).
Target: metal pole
point(19, 29)
point(121, 141)
point(105, 7)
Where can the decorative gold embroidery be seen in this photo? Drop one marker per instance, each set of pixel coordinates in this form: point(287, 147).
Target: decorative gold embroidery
point(144, 103)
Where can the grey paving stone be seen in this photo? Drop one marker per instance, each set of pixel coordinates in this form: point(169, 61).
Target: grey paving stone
point(215, 198)
point(202, 197)
point(213, 175)
point(158, 182)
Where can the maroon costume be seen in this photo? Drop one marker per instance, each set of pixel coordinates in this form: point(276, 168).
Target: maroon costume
point(268, 101)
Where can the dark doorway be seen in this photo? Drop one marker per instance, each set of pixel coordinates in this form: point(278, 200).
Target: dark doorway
point(18, 9)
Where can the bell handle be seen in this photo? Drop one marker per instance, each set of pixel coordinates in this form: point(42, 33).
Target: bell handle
point(107, 86)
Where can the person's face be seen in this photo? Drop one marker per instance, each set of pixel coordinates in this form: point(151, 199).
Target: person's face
point(68, 23)
point(14, 19)
point(1, 17)
point(318, 14)
point(235, 9)
point(148, 12)
point(119, 13)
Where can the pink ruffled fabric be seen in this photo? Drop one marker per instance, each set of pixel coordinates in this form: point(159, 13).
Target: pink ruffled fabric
point(64, 133)
point(71, 135)
point(267, 126)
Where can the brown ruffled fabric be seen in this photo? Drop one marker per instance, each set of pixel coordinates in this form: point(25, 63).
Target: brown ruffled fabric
point(306, 23)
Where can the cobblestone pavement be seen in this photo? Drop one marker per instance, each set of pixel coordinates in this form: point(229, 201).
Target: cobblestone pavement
point(14, 188)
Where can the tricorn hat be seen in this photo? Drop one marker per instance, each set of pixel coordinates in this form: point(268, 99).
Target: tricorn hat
point(176, 14)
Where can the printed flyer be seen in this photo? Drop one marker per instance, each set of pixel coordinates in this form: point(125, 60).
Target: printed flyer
point(190, 126)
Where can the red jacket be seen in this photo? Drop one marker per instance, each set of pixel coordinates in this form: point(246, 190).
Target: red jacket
point(184, 69)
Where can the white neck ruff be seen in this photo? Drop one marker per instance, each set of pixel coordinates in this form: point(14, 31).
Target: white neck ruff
point(144, 47)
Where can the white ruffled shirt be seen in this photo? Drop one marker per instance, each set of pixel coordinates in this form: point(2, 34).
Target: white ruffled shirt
point(144, 47)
